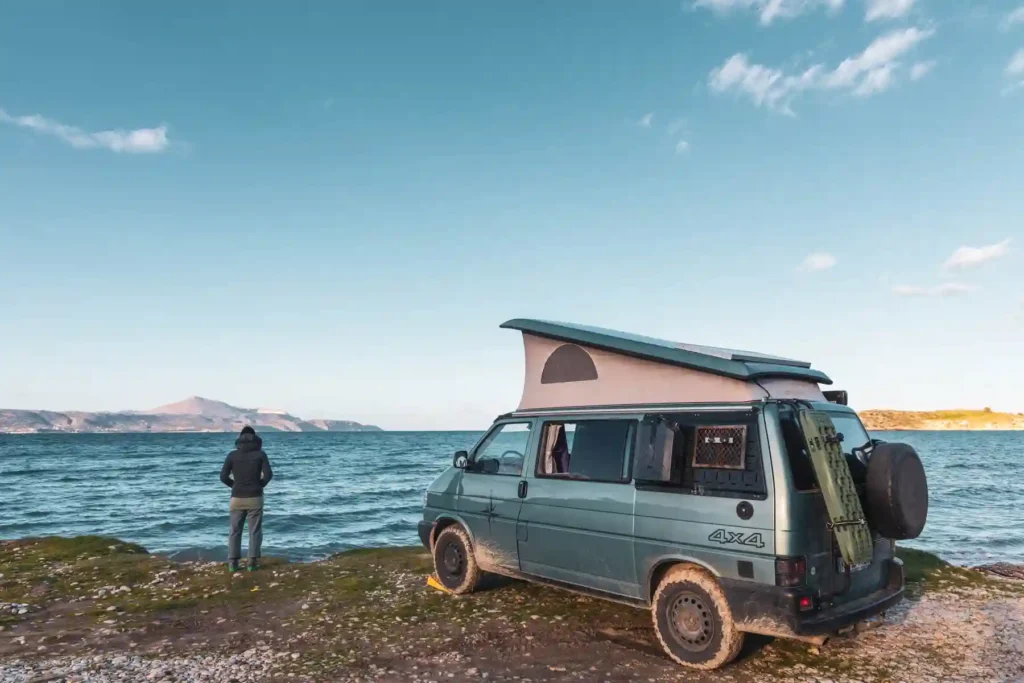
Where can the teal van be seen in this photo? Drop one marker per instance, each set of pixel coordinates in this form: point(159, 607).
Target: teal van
point(722, 490)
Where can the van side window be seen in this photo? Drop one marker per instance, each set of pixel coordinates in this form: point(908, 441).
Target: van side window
point(503, 450)
point(593, 450)
point(711, 454)
point(800, 465)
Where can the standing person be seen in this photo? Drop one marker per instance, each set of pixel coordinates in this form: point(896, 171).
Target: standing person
point(251, 469)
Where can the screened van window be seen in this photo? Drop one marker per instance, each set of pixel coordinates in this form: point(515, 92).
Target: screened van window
point(504, 450)
point(595, 450)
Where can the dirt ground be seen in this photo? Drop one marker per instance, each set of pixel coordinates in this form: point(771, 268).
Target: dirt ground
point(92, 609)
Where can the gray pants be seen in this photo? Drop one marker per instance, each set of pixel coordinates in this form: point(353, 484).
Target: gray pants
point(238, 518)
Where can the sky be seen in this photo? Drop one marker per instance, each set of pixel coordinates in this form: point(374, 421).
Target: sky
point(329, 208)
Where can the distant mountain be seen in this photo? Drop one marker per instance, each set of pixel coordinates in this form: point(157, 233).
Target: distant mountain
point(195, 414)
point(197, 405)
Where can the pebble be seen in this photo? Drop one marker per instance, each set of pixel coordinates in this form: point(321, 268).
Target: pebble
point(108, 668)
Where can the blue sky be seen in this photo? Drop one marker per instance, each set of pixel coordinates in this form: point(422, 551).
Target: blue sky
point(330, 207)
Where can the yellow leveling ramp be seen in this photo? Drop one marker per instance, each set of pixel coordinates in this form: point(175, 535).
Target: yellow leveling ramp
point(434, 583)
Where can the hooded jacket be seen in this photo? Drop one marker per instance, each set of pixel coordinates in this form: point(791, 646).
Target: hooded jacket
point(249, 465)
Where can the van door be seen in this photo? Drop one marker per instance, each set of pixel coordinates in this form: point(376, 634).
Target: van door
point(576, 523)
point(848, 521)
point(811, 528)
point(489, 492)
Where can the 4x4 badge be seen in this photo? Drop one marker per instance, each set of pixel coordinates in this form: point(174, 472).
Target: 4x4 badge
point(737, 537)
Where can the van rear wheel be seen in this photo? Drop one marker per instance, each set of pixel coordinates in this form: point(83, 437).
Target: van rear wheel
point(693, 621)
point(454, 561)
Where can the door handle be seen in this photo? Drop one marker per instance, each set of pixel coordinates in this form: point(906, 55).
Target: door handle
point(522, 488)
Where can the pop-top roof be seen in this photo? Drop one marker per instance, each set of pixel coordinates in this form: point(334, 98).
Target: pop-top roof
point(742, 365)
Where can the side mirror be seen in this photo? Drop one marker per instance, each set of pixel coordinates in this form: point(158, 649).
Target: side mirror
point(461, 460)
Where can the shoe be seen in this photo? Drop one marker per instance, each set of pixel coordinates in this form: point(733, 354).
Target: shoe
point(232, 566)
point(252, 566)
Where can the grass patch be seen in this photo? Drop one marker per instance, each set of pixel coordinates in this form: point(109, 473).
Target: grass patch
point(926, 571)
point(919, 565)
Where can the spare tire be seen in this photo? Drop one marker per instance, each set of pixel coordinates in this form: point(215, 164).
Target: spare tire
point(896, 491)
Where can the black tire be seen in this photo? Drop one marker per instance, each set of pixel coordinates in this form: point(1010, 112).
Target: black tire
point(454, 562)
point(693, 621)
point(896, 491)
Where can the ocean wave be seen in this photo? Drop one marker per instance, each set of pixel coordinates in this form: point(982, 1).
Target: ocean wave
point(333, 492)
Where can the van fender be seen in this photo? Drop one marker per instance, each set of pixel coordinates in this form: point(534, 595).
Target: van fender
point(663, 563)
point(445, 520)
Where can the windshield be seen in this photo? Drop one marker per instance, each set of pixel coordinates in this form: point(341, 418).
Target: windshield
point(856, 447)
point(855, 437)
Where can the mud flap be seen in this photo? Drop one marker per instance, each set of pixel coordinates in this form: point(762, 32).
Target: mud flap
point(833, 472)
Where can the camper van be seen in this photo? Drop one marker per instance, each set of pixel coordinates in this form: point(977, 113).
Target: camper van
point(724, 491)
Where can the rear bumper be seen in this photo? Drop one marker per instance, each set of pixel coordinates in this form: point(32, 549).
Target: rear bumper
point(425, 530)
point(760, 608)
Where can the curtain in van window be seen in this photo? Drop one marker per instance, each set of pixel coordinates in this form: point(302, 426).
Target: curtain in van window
point(597, 451)
point(555, 454)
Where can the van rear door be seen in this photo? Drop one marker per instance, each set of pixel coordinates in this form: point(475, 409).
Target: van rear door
point(846, 516)
point(850, 560)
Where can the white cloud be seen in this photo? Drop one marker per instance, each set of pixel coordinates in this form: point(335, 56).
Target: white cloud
point(921, 69)
point(646, 120)
point(1013, 19)
point(1015, 72)
point(943, 290)
point(770, 10)
point(764, 85)
point(817, 262)
point(882, 51)
point(676, 127)
point(138, 141)
point(875, 81)
point(972, 257)
point(887, 9)
point(682, 147)
point(870, 72)
point(1016, 65)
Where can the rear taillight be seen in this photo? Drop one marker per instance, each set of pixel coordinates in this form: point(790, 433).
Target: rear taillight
point(790, 571)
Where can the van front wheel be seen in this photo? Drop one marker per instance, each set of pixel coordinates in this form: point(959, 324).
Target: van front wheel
point(454, 562)
point(693, 620)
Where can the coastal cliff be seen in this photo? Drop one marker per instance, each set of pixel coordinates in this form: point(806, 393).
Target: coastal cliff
point(941, 420)
point(195, 414)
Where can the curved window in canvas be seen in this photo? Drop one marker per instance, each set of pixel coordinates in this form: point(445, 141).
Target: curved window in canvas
point(568, 363)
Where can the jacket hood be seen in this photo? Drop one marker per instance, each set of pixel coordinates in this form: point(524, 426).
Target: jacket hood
point(249, 442)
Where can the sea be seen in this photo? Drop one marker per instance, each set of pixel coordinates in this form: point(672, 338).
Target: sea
point(337, 491)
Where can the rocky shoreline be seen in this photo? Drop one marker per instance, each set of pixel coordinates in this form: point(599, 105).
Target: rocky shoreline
point(941, 420)
point(93, 609)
